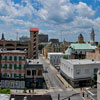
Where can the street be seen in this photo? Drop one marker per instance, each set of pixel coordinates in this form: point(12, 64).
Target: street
point(55, 85)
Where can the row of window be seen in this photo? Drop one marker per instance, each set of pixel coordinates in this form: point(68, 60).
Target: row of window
point(34, 72)
point(13, 66)
point(13, 58)
point(13, 75)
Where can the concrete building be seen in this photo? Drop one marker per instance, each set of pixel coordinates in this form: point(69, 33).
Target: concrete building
point(34, 74)
point(43, 38)
point(55, 58)
point(30, 46)
point(98, 85)
point(79, 73)
point(79, 50)
point(12, 69)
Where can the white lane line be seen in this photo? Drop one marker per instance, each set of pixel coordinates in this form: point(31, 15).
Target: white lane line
point(90, 92)
point(83, 98)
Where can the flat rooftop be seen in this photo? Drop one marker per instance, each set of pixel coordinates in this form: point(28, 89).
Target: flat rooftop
point(55, 53)
point(11, 51)
point(84, 61)
point(33, 61)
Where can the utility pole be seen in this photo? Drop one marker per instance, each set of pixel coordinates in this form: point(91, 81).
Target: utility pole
point(58, 96)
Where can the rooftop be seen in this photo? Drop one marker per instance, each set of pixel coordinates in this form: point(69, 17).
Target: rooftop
point(11, 51)
point(82, 46)
point(33, 62)
point(56, 53)
point(82, 62)
point(34, 29)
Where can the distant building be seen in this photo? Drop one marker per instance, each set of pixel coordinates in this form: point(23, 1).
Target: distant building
point(2, 38)
point(95, 55)
point(54, 40)
point(24, 38)
point(12, 64)
point(52, 47)
point(55, 58)
point(79, 73)
point(30, 46)
point(34, 74)
point(92, 36)
point(80, 39)
point(78, 50)
point(98, 85)
point(43, 38)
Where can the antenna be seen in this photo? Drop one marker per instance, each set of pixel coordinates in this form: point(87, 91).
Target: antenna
point(17, 36)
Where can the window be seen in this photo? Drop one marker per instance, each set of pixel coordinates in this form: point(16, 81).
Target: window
point(15, 66)
point(10, 58)
point(77, 71)
point(5, 65)
point(15, 58)
point(95, 70)
point(28, 72)
point(5, 57)
point(19, 66)
point(33, 72)
point(10, 66)
point(39, 72)
point(20, 58)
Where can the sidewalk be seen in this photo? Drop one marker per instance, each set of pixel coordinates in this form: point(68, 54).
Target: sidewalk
point(36, 92)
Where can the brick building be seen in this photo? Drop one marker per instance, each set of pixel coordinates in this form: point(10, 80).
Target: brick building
point(12, 69)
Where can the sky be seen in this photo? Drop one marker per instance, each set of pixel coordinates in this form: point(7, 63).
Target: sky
point(63, 19)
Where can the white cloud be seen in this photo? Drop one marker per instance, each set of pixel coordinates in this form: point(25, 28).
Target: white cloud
point(53, 17)
point(63, 11)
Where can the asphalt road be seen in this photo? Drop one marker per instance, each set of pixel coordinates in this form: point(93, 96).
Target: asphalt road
point(55, 85)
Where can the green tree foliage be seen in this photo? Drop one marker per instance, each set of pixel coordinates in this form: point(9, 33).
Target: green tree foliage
point(98, 45)
point(41, 46)
point(5, 91)
point(95, 78)
point(65, 57)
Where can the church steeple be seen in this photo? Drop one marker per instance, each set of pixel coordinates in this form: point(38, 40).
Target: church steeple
point(2, 38)
point(92, 36)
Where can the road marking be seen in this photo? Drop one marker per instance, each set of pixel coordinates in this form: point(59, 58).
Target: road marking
point(83, 98)
point(90, 92)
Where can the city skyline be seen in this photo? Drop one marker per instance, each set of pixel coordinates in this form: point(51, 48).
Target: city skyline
point(66, 17)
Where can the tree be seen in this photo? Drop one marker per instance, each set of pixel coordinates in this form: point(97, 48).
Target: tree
point(65, 57)
point(95, 78)
point(25, 89)
point(41, 46)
